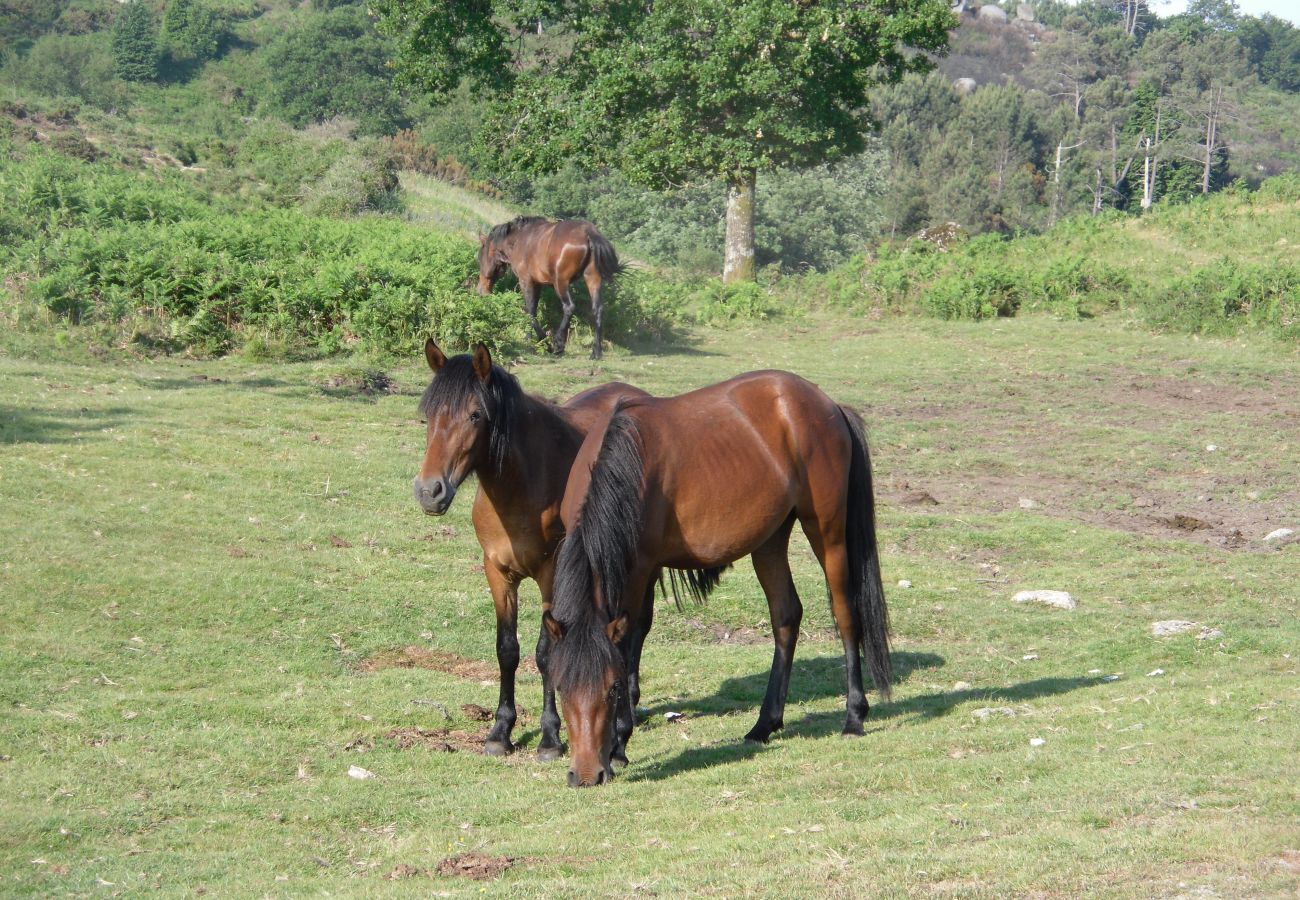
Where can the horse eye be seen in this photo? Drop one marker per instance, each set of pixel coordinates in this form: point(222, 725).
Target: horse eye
point(475, 416)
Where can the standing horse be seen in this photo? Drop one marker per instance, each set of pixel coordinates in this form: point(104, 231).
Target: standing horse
point(543, 252)
point(480, 420)
point(695, 482)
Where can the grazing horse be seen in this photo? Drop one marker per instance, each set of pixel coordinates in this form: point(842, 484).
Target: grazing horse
point(695, 482)
point(480, 420)
point(543, 252)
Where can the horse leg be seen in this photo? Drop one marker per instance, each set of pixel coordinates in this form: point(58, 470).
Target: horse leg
point(594, 287)
point(630, 647)
point(550, 747)
point(772, 565)
point(505, 597)
point(532, 292)
point(636, 641)
point(561, 336)
point(832, 553)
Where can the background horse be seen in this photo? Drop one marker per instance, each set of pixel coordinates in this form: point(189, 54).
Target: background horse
point(543, 252)
point(480, 420)
point(696, 482)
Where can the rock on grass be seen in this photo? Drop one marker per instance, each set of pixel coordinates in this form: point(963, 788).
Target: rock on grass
point(1170, 627)
point(1058, 599)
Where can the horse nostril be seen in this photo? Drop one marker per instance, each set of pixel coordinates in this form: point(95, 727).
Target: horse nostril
point(601, 777)
point(573, 778)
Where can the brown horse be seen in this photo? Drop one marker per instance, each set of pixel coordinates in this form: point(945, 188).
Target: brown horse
point(543, 252)
point(695, 482)
point(480, 420)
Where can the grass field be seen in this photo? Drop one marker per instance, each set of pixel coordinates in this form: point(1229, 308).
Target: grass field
point(213, 571)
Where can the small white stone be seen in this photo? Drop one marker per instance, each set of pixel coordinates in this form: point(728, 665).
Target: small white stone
point(904, 583)
point(359, 773)
point(1210, 448)
point(988, 711)
point(962, 686)
point(673, 716)
point(1036, 742)
point(1028, 656)
point(1280, 534)
point(1110, 678)
point(1209, 634)
point(1094, 671)
point(1168, 627)
point(1058, 599)
point(1155, 672)
point(1026, 503)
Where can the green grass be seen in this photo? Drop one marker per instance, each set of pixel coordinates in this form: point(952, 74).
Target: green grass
point(432, 202)
point(183, 631)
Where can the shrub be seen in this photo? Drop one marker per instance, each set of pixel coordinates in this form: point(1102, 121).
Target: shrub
point(363, 180)
point(79, 66)
point(1223, 297)
point(135, 43)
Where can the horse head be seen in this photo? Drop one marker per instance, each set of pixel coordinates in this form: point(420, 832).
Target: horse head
point(492, 262)
point(465, 404)
point(590, 674)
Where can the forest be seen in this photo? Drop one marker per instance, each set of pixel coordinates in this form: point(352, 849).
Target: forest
point(164, 159)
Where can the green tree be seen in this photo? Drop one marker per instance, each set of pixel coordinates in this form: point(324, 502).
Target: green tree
point(334, 65)
point(671, 92)
point(192, 30)
point(135, 43)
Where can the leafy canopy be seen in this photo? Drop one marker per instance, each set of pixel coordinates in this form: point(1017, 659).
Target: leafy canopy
point(670, 91)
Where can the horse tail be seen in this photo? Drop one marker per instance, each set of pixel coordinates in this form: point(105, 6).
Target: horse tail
point(603, 255)
point(868, 593)
point(694, 583)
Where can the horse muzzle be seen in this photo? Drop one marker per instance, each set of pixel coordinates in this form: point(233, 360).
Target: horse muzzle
point(434, 495)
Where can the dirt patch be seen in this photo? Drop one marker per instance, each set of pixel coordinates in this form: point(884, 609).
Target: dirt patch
point(440, 740)
point(478, 866)
point(440, 661)
point(403, 871)
point(728, 634)
point(476, 713)
point(368, 383)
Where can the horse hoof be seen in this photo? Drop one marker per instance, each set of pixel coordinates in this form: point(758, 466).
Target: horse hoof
point(550, 754)
point(853, 729)
point(758, 737)
point(498, 748)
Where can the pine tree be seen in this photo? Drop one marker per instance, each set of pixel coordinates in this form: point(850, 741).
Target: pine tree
point(135, 43)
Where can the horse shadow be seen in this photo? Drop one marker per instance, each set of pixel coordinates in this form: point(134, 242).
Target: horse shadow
point(811, 678)
point(34, 426)
point(826, 724)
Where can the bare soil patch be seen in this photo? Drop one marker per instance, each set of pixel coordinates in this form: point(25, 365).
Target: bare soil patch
point(478, 866)
point(439, 661)
point(727, 634)
point(1219, 468)
point(440, 740)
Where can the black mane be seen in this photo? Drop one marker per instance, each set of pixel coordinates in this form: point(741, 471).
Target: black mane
point(502, 231)
point(598, 553)
point(456, 385)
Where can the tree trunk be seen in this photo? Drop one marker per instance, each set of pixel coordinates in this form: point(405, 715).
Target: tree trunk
point(739, 264)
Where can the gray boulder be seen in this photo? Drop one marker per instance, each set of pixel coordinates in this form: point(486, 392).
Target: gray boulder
point(993, 13)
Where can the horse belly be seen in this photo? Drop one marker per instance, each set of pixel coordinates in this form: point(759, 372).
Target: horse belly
point(714, 521)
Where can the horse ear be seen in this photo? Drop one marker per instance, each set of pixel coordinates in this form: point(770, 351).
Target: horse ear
point(552, 626)
point(436, 358)
point(482, 362)
point(482, 238)
point(617, 628)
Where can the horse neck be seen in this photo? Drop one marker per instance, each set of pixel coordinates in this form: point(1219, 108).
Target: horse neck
point(542, 447)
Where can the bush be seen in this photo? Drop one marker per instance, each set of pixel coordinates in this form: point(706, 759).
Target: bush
point(363, 180)
point(135, 43)
point(136, 255)
point(79, 66)
point(1223, 297)
point(334, 65)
